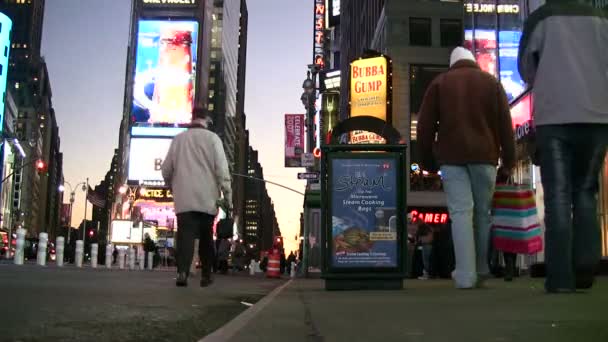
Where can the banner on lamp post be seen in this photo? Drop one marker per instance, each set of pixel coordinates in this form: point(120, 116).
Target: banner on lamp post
point(294, 139)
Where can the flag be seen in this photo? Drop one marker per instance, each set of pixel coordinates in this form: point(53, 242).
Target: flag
point(95, 198)
point(65, 215)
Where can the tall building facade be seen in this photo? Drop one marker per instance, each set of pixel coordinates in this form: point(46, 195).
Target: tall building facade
point(210, 36)
point(35, 196)
point(261, 225)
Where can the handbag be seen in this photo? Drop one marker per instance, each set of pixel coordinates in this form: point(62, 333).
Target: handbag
point(515, 223)
point(225, 227)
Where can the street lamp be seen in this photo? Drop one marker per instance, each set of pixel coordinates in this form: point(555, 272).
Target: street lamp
point(72, 199)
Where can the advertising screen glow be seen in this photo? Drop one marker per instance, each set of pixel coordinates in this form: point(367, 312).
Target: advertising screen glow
point(165, 72)
point(5, 44)
point(146, 157)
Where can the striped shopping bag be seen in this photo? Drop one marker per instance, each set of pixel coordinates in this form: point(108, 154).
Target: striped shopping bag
point(515, 222)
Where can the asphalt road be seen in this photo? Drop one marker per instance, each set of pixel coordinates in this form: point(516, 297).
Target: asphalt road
point(68, 304)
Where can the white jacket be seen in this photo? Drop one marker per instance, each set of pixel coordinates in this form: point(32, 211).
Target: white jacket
point(197, 171)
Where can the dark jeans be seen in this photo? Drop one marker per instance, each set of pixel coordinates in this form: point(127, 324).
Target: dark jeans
point(571, 158)
point(194, 225)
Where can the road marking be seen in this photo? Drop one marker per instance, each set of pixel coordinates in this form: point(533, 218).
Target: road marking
point(230, 329)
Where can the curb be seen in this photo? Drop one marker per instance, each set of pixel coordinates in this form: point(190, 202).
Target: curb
point(230, 329)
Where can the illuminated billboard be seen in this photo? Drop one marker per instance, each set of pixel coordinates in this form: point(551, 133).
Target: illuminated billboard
point(161, 214)
point(165, 72)
point(369, 87)
point(146, 156)
point(124, 232)
point(5, 44)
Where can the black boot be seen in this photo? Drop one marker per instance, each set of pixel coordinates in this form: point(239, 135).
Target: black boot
point(206, 276)
point(182, 279)
point(585, 277)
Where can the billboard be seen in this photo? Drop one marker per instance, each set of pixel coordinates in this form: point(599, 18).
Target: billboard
point(162, 214)
point(123, 231)
point(294, 139)
point(146, 157)
point(369, 87)
point(5, 43)
point(165, 72)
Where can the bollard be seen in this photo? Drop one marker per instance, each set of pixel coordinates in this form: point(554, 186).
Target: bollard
point(121, 259)
point(150, 260)
point(109, 255)
point(59, 246)
point(79, 252)
point(43, 240)
point(252, 267)
point(141, 255)
point(131, 259)
point(19, 244)
point(293, 270)
point(94, 252)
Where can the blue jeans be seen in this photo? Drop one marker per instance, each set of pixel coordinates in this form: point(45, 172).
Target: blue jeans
point(571, 158)
point(469, 190)
point(427, 251)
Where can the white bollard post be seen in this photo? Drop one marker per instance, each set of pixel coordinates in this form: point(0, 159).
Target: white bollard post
point(109, 251)
point(43, 239)
point(19, 244)
point(59, 248)
point(293, 270)
point(131, 258)
point(141, 255)
point(150, 260)
point(94, 252)
point(121, 259)
point(79, 252)
point(252, 267)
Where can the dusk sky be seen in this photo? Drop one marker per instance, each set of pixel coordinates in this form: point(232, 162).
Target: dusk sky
point(85, 46)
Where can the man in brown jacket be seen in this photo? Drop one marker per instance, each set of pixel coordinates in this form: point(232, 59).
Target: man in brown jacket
point(465, 123)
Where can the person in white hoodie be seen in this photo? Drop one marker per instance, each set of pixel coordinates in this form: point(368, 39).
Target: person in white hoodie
point(197, 171)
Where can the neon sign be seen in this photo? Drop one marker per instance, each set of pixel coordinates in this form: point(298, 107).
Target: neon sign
point(319, 34)
point(429, 217)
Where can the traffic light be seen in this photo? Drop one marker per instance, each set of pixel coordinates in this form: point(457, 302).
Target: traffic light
point(91, 233)
point(40, 166)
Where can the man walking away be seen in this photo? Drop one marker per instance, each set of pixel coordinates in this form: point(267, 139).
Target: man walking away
point(197, 171)
point(467, 109)
point(563, 55)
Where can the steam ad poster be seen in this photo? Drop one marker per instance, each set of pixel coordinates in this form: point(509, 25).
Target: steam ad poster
point(363, 208)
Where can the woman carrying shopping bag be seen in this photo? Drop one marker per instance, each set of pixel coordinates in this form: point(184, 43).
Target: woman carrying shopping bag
point(515, 223)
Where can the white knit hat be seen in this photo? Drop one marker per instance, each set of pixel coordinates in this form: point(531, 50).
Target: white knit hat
point(459, 54)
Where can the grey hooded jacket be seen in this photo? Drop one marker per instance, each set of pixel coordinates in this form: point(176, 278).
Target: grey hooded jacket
point(563, 55)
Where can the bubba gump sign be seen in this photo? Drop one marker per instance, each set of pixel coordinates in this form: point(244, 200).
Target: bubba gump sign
point(369, 87)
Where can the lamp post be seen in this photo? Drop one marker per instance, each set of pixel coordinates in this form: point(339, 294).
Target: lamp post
point(72, 199)
point(309, 98)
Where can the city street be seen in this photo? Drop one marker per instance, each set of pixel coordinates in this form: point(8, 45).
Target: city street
point(52, 304)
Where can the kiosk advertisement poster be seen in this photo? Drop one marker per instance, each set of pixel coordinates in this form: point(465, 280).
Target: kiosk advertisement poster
point(364, 196)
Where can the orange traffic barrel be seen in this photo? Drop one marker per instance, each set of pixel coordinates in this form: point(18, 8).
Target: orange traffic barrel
point(273, 270)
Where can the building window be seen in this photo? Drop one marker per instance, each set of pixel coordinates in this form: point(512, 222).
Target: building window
point(451, 32)
point(420, 32)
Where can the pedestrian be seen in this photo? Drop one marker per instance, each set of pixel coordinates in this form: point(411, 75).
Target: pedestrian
point(197, 171)
point(424, 237)
point(290, 259)
point(563, 55)
point(467, 110)
point(149, 246)
point(223, 252)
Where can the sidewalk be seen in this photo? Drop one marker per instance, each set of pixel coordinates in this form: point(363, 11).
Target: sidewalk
point(428, 311)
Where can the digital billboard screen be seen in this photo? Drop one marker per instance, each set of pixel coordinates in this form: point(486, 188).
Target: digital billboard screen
point(508, 48)
point(146, 156)
point(165, 72)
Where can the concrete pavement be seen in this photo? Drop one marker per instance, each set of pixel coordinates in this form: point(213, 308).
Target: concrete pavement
point(69, 304)
point(431, 311)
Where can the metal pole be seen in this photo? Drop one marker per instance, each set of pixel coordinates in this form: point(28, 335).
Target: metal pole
point(84, 226)
point(72, 199)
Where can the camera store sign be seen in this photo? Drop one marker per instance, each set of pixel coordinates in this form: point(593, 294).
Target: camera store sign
point(491, 8)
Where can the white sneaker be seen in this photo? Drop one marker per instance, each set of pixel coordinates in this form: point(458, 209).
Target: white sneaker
point(424, 277)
